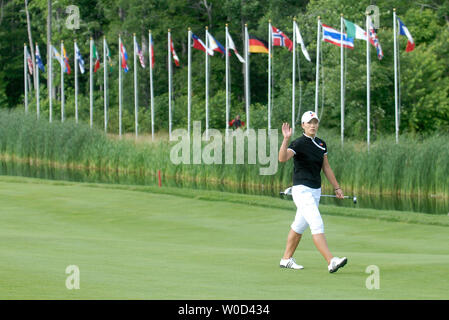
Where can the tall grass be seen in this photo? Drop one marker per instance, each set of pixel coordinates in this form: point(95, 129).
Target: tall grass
point(414, 166)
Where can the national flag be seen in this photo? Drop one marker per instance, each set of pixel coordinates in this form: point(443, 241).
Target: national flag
point(39, 62)
point(79, 58)
point(301, 42)
point(152, 51)
point(140, 54)
point(403, 31)
point(280, 39)
point(231, 46)
point(56, 55)
point(29, 62)
point(199, 44)
point(124, 57)
point(95, 56)
point(257, 45)
point(66, 60)
point(108, 55)
point(333, 36)
point(354, 31)
point(374, 40)
point(175, 56)
point(215, 45)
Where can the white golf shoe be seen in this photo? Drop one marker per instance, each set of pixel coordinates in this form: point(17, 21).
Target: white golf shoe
point(336, 263)
point(290, 263)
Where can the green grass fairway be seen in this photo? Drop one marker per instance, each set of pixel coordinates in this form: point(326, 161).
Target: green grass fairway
point(146, 245)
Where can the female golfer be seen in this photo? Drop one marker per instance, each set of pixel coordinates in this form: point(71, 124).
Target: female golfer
point(309, 155)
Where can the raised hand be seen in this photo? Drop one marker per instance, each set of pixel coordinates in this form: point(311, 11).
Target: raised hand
point(286, 130)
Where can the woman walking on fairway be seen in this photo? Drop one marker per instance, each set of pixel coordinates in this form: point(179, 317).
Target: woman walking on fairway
point(309, 155)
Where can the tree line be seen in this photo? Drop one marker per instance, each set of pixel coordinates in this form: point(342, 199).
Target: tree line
point(424, 73)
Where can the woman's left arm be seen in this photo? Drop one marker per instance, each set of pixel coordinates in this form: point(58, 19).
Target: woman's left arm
point(331, 177)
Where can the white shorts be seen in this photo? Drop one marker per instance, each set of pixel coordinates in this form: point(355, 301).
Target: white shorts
point(307, 213)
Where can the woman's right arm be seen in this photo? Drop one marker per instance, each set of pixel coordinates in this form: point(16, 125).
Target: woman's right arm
point(284, 153)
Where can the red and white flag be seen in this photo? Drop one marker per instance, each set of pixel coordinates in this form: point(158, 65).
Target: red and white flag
point(175, 56)
point(280, 39)
point(231, 46)
point(140, 55)
point(30, 63)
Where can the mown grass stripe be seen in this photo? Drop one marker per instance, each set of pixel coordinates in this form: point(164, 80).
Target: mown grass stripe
point(254, 200)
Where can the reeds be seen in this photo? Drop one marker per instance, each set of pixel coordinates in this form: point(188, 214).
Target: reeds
point(415, 166)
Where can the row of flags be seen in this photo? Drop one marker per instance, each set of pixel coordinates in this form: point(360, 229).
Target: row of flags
point(256, 45)
point(354, 31)
point(64, 60)
point(211, 46)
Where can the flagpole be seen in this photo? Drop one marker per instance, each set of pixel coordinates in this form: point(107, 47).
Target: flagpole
point(269, 73)
point(169, 84)
point(227, 79)
point(135, 85)
point(50, 84)
point(293, 76)
point(342, 98)
point(25, 76)
point(91, 83)
point(247, 76)
point(207, 83)
point(105, 85)
point(317, 75)
point(37, 85)
point(150, 47)
point(367, 83)
point(62, 82)
point(395, 77)
point(120, 86)
point(76, 81)
point(189, 78)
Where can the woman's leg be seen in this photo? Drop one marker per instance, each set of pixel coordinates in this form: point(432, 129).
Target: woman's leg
point(293, 239)
point(320, 242)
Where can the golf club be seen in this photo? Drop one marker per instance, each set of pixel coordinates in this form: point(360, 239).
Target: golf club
point(288, 192)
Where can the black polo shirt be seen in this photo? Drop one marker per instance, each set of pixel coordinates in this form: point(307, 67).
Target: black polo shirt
point(308, 161)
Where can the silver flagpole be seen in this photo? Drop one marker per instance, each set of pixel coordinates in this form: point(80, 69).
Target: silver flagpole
point(150, 48)
point(293, 75)
point(50, 81)
point(227, 79)
point(37, 84)
point(317, 75)
point(342, 98)
point(207, 83)
point(76, 81)
point(367, 83)
point(62, 83)
point(189, 78)
point(120, 86)
point(105, 87)
point(247, 76)
point(136, 107)
point(169, 84)
point(269, 74)
point(25, 75)
point(91, 83)
point(396, 118)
